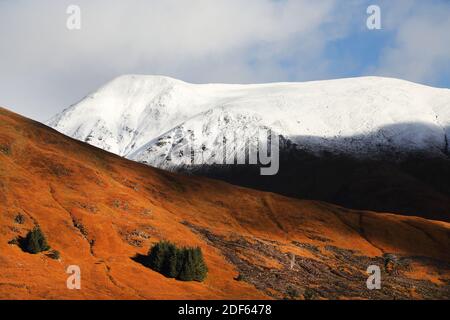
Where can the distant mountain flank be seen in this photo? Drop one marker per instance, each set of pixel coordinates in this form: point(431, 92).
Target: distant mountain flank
point(358, 116)
point(366, 143)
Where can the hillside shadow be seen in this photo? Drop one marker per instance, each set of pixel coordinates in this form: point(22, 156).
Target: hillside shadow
point(415, 181)
point(141, 259)
point(21, 242)
point(404, 135)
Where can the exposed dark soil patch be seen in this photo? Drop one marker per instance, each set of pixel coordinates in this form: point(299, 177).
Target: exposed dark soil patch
point(336, 273)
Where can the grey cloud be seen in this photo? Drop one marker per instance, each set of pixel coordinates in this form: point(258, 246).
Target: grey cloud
point(44, 67)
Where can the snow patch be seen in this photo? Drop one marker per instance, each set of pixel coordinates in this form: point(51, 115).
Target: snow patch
point(148, 118)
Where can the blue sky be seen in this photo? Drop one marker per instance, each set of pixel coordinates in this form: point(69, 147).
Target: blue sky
point(45, 67)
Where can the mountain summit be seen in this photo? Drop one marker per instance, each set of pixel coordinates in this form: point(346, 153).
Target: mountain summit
point(145, 117)
point(368, 143)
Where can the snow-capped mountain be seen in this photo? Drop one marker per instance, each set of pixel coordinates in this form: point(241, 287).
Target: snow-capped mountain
point(154, 119)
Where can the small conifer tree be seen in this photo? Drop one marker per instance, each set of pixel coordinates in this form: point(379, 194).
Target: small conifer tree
point(194, 267)
point(171, 268)
point(156, 256)
point(36, 242)
point(200, 268)
point(187, 270)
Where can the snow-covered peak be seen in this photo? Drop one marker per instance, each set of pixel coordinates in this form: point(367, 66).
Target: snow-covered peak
point(133, 112)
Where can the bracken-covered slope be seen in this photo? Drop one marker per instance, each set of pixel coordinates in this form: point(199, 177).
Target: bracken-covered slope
point(101, 212)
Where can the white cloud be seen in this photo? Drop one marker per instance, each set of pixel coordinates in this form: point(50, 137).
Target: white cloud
point(128, 33)
point(196, 40)
point(44, 67)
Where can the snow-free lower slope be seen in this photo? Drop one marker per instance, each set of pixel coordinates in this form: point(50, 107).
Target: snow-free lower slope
point(102, 213)
point(148, 118)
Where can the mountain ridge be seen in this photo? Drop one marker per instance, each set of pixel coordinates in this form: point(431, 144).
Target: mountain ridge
point(129, 112)
point(355, 130)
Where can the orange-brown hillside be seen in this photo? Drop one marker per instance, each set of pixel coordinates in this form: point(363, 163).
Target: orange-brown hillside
point(101, 211)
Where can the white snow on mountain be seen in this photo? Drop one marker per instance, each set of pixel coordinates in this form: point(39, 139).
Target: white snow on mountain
point(154, 119)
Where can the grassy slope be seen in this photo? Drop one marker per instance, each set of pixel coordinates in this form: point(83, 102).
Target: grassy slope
point(100, 211)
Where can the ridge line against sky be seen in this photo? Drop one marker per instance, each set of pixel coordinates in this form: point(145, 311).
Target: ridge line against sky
point(45, 67)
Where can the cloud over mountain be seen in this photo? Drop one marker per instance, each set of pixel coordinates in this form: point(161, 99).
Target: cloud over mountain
point(203, 41)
